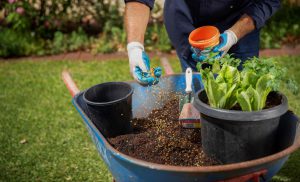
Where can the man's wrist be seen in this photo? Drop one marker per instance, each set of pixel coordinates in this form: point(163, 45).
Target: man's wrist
point(232, 36)
point(134, 45)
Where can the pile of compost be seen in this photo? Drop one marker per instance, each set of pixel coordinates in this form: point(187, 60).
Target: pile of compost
point(161, 139)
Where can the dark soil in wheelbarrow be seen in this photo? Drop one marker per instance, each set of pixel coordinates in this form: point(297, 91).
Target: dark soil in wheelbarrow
point(161, 139)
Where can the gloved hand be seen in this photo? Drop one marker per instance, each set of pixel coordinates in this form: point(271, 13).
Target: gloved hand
point(199, 55)
point(139, 63)
point(227, 40)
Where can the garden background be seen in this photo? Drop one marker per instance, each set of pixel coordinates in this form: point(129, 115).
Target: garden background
point(45, 27)
point(42, 137)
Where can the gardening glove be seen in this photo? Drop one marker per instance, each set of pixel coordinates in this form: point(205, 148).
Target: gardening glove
point(199, 55)
point(227, 40)
point(139, 63)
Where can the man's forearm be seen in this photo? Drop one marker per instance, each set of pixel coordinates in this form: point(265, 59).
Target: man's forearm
point(243, 26)
point(136, 20)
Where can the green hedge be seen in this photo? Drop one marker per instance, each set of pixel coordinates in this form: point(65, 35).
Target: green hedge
point(53, 27)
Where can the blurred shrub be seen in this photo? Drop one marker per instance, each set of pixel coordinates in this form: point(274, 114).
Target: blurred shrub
point(113, 37)
point(15, 43)
point(110, 41)
point(39, 27)
point(54, 26)
point(76, 40)
point(15, 37)
point(156, 38)
point(282, 28)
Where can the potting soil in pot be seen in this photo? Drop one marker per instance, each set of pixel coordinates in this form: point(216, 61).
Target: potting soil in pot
point(161, 139)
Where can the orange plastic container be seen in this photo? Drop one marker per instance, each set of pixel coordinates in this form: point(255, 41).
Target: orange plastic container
point(204, 37)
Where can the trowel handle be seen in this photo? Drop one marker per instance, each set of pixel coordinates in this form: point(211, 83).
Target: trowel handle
point(188, 80)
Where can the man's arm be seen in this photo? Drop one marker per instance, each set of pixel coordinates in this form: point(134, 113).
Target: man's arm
point(136, 20)
point(255, 16)
point(243, 26)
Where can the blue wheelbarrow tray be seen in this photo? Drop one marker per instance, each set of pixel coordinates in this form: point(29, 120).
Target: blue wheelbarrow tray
point(125, 168)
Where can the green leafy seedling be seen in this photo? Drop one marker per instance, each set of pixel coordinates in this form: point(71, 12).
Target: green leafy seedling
point(221, 91)
point(226, 86)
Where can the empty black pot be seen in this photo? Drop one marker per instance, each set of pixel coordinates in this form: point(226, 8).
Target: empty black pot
point(110, 107)
point(235, 136)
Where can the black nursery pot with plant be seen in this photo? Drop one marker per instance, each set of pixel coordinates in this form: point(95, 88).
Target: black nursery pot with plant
point(234, 136)
point(110, 107)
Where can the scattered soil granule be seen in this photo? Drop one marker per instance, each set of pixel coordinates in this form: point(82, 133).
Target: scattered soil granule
point(161, 139)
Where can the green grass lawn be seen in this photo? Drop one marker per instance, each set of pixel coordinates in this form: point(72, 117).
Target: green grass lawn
point(42, 136)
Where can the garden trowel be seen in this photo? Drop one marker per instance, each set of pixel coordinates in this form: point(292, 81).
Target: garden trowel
point(189, 115)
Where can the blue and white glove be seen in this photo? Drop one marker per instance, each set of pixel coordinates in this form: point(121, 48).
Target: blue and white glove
point(139, 63)
point(199, 55)
point(227, 40)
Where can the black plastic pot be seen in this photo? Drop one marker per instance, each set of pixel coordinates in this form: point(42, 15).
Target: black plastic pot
point(110, 107)
point(235, 136)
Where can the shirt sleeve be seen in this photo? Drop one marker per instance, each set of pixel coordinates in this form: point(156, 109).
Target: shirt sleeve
point(149, 3)
point(262, 10)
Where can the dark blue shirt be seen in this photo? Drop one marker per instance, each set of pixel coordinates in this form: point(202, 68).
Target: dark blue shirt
point(206, 12)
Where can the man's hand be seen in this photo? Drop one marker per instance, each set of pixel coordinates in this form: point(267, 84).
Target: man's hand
point(199, 55)
point(227, 40)
point(230, 37)
point(139, 64)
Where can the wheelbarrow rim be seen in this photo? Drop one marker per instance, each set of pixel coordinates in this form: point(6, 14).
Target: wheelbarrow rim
point(191, 169)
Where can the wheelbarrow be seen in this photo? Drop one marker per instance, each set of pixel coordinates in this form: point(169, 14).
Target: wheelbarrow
point(125, 168)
